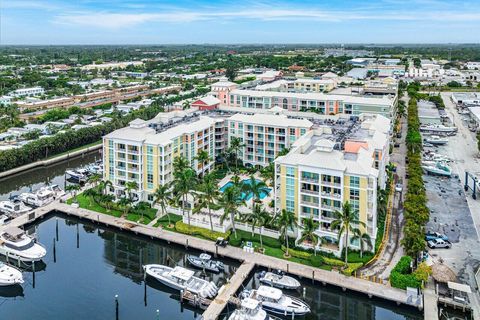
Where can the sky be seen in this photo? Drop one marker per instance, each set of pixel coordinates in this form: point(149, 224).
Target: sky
point(241, 21)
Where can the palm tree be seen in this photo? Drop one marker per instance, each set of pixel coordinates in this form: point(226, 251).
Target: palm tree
point(162, 196)
point(236, 145)
point(184, 182)
point(258, 217)
point(94, 179)
point(90, 194)
point(73, 188)
point(230, 200)
point(126, 203)
point(180, 164)
point(107, 200)
point(208, 195)
point(285, 221)
point(268, 174)
point(203, 157)
point(345, 221)
point(129, 187)
point(364, 238)
point(256, 187)
point(104, 186)
point(309, 233)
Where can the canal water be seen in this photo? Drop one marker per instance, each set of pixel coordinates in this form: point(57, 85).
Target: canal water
point(93, 264)
point(36, 178)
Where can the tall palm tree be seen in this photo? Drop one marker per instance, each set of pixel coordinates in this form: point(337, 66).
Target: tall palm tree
point(345, 221)
point(203, 157)
point(184, 182)
point(94, 179)
point(90, 194)
point(207, 195)
point(162, 196)
point(258, 217)
point(126, 203)
point(73, 188)
point(308, 233)
point(130, 187)
point(180, 164)
point(236, 145)
point(364, 238)
point(256, 187)
point(104, 186)
point(268, 174)
point(230, 200)
point(286, 220)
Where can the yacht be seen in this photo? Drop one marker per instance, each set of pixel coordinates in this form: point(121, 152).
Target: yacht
point(55, 188)
point(204, 261)
point(76, 176)
point(438, 128)
point(9, 276)
point(38, 199)
point(17, 245)
point(279, 279)
point(181, 279)
point(436, 140)
point(274, 301)
point(437, 168)
point(250, 310)
point(14, 207)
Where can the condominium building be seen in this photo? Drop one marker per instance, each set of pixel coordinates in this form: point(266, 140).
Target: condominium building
point(27, 92)
point(327, 104)
point(142, 154)
point(314, 85)
point(265, 135)
point(323, 171)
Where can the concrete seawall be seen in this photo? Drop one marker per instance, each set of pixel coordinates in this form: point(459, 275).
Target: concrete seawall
point(50, 161)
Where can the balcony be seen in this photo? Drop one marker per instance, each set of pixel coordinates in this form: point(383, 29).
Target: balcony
point(308, 203)
point(332, 184)
point(309, 191)
point(306, 179)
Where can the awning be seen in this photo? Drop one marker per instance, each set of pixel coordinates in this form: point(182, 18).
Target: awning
point(459, 287)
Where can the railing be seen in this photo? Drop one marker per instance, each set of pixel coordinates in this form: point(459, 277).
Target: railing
point(309, 191)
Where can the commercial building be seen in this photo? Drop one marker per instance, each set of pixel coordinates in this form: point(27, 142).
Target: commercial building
point(27, 92)
point(467, 99)
point(324, 169)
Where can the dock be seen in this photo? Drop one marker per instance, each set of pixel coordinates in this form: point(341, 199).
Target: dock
point(249, 260)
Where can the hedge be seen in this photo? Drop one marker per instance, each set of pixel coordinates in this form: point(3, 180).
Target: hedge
point(297, 254)
point(197, 231)
point(351, 268)
point(402, 277)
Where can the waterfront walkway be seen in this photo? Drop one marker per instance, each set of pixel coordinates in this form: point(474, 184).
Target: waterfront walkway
point(250, 260)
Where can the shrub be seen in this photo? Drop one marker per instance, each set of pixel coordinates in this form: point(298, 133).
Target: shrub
point(401, 276)
point(351, 268)
point(317, 260)
point(297, 254)
point(244, 236)
point(422, 272)
point(333, 262)
point(197, 231)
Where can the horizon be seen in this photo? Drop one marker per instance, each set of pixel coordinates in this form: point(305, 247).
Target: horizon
point(152, 22)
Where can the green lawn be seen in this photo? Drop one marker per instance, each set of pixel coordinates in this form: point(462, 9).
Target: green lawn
point(163, 221)
point(90, 204)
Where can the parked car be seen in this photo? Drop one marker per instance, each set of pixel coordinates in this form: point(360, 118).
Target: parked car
point(439, 243)
point(430, 235)
point(398, 187)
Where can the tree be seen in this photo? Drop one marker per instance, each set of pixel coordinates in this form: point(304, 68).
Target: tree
point(208, 195)
point(236, 145)
point(107, 200)
point(268, 174)
point(345, 221)
point(94, 179)
point(162, 196)
point(126, 203)
point(230, 200)
point(90, 194)
point(104, 185)
point(256, 187)
point(364, 239)
point(309, 234)
point(180, 164)
point(73, 188)
point(184, 182)
point(258, 217)
point(203, 157)
point(129, 188)
point(285, 221)
point(231, 71)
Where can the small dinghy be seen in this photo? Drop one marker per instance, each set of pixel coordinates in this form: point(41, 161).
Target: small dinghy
point(9, 276)
point(275, 301)
point(181, 279)
point(204, 261)
point(279, 279)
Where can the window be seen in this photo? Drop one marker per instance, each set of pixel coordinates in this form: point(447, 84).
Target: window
point(354, 182)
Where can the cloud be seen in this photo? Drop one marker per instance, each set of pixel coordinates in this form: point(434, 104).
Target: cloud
point(26, 4)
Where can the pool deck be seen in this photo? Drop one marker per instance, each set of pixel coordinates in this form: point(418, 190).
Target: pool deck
point(249, 260)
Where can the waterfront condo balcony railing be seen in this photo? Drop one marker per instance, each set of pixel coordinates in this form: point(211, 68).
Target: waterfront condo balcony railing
point(309, 191)
point(310, 180)
point(309, 203)
point(332, 184)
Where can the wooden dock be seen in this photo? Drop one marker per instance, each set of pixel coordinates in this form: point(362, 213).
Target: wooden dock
point(250, 260)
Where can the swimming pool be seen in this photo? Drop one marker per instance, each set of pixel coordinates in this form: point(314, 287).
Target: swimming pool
point(245, 196)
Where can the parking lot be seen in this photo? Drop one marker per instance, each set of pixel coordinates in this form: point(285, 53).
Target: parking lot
point(453, 211)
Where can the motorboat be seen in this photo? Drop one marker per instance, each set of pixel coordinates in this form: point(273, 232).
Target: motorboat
point(250, 310)
point(76, 176)
point(436, 140)
point(14, 207)
point(438, 128)
point(279, 279)
point(204, 261)
point(273, 300)
point(55, 188)
point(4, 219)
point(95, 169)
point(38, 199)
point(437, 168)
point(180, 278)
point(432, 156)
point(15, 244)
point(9, 276)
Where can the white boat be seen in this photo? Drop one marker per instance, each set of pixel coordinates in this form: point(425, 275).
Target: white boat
point(438, 128)
point(273, 300)
point(432, 156)
point(55, 188)
point(15, 244)
point(9, 276)
point(38, 199)
point(437, 168)
point(204, 261)
point(181, 279)
point(279, 280)
point(249, 310)
point(436, 140)
point(14, 207)
point(75, 175)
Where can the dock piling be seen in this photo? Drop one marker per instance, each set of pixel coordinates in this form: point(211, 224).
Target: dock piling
point(33, 275)
point(54, 251)
point(116, 306)
point(78, 238)
point(56, 228)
